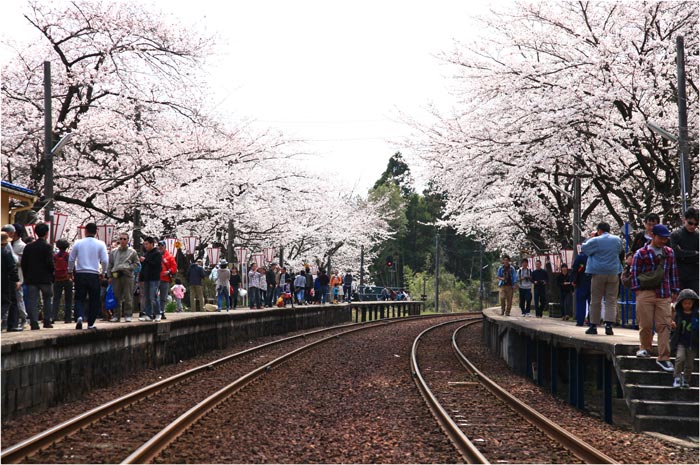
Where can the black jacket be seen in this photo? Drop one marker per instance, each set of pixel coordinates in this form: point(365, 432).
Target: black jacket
point(695, 333)
point(9, 276)
point(151, 265)
point(685, 247)
point(38, 263)
point(271, 279)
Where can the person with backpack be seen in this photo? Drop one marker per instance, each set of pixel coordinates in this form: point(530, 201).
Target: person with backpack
point(63, 283)
point(656, 284)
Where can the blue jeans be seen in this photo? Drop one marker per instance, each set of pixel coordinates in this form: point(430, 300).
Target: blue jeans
point(222, 295)
point(347, 291)
point(150, 297)
point(565, 303)
point(163, 289)
point(65, 288)
point(87, 285)
point(46, 296)
point(324, 294)
point(525, 298)
point(254, 297)
point(583, 297)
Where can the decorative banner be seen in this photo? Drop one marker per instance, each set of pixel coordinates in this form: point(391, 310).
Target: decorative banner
point(170, 245)
point(191, 243)
point(105, 233)
point(81, 232)
point(578, 249)
point(59, 225)
point(258, 258)
point(269, 253)
point(568, 256)
point(241, 255)
point(29, 228)
point(213, 254)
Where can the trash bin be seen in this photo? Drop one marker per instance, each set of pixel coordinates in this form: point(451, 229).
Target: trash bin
point(554, 310)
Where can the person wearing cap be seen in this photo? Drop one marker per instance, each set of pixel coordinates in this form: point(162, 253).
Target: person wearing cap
point(686, 246)
point(195, 277)
point(604, 264)
point(654, 300)
point(123, 262)
point(223, 294)
point(167, 273)
point(10, 284)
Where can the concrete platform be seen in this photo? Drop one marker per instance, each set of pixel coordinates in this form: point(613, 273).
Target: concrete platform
point(596, 373)
point(625, 341)
point(45, 367)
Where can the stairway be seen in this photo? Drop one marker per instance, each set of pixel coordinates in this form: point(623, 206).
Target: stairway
point(653, 403)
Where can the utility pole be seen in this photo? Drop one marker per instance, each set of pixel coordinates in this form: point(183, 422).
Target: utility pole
point(437, 271)
point(282, 260)
point(137, 230)
point(48, 145)
point(481, 276)
point(362, 267)
point(230, 253)
point(682, 121)
point(577, 212)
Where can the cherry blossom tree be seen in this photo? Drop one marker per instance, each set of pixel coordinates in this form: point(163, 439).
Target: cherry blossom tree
point(129, 84)
point(555, 90)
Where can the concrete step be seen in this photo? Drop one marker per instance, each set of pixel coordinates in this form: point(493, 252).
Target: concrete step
point(665, 393)
point(626, 362)
point(665, 408)
point(653, 378)
point(666, 424)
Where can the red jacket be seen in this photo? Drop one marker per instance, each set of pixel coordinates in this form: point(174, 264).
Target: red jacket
point(168, 267)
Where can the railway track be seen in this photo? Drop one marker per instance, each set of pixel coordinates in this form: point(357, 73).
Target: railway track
point(66, 443)
point(460, 421)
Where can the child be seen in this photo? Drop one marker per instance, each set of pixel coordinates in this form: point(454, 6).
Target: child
point(178, 291)
point(685, 336)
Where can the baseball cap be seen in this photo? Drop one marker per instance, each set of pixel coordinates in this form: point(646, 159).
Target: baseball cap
point(660, 230)
point(161, 243)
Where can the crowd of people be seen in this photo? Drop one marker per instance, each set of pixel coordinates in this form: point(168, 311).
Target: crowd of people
point(661, 269)
point(87, 277)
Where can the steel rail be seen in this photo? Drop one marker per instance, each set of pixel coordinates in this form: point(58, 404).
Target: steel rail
point(36, 443)
point(148, 451)
point(574, 444)
point(466, 448)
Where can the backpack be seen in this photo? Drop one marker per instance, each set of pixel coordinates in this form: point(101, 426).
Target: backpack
point(61, 266)
point(653, 279)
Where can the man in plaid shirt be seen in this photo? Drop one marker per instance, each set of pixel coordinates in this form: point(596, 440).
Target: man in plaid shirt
point(654, 305)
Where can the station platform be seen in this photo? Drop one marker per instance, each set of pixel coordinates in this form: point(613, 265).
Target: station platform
point(596, 373)
point(45, 367)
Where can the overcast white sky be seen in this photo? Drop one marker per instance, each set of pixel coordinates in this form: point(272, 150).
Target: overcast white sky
point(333, 73)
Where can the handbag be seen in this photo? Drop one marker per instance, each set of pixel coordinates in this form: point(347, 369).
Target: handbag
point(653, 279)
point(110, 300)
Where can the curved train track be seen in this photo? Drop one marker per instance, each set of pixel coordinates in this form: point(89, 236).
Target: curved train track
point(80, 431)
point(459, 427)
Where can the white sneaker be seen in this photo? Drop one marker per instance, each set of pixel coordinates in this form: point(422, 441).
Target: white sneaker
point(641, 353)
point(157, 318)
point(114, 320)
point(145, 318)
point(127, 319)
point(677, 382)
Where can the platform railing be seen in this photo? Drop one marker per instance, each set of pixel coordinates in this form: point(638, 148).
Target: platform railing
point(378, 310)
